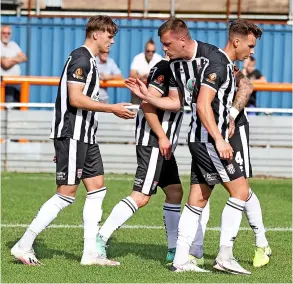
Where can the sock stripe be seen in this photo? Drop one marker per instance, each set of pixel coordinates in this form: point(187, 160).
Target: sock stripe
point(65, 198)
point(129, 204)
point(175, 207)
point(171, 210)
point(193, 210)
point(235, 204)
point(250, 195)
point(234, 207)
point(96, 191)
point(197, 210)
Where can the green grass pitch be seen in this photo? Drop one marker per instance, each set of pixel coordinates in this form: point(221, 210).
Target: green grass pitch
point(140, 251)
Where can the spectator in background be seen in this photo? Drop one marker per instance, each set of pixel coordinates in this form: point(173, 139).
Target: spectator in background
point(142, 64)
point(11, 56)
point(250, 71)
point(108, 70)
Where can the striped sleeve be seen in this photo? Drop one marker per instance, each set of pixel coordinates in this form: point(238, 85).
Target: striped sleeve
point(78, 69)
point(214, 76)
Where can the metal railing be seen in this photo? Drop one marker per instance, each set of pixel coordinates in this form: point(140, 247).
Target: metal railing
point(26, 81)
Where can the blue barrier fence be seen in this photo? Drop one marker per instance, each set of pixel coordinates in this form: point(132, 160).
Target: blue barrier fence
point(52, 39)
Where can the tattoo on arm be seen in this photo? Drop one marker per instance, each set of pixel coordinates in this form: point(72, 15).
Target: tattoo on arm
point(245, 89)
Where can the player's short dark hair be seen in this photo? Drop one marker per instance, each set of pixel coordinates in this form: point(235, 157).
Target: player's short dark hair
point(244, 27)
point(174, 24)
point(101, 23)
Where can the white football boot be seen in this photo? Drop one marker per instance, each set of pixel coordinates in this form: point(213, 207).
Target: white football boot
point(27, 257)
point(188, 266)
point(230, 265)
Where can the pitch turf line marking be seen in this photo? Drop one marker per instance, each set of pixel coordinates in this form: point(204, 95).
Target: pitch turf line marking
point(66, 226)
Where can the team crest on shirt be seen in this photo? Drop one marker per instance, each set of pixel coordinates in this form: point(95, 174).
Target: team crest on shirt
point(212, 78)
point(78, 74)
point(160, 80)
point(190, 84)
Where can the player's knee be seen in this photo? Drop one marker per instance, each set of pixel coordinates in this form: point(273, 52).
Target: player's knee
point(94, 183)
point(140, 199)
point(67, 190)
point(174, 193)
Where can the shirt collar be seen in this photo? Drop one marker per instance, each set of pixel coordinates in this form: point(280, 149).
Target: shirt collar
point(89, 51)
point(226, 55)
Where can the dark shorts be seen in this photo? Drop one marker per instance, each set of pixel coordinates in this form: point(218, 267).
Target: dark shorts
point(240, 144)
point(153, 170)
point(76, 160)
point(208, 168)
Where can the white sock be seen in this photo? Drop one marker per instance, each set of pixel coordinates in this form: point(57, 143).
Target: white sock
point(92, 214)
point(186, 232)
point(47, 213)
point(171, 220)
point(119, 215)
point(197, 244)
point(231, 219)
point(253, 213)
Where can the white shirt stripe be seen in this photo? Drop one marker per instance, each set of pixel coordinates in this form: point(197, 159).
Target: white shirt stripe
point(63, 92)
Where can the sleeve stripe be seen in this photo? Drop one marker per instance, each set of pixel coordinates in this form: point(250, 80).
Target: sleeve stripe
point(157, 88)
point(75, 82)
point(203, 84)
point(173, 88)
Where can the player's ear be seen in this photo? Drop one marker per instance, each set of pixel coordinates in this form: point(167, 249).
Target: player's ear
point(95, 35)
point(183, 40)
point(236, 42)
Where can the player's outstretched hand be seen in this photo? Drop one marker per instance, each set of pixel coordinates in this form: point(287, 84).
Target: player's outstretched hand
point(120, 110)
point(231, 129)
point(165, 147)
point(225, 150)
point(137, 87)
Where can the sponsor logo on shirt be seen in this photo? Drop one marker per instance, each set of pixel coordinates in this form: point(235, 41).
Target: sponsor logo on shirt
point(190, 84)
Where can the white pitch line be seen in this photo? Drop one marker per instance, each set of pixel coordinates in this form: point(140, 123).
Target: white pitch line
point(67, 226)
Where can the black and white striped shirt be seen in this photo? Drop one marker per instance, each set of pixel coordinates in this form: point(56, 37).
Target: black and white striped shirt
point(158, 78)
point(209, 67)
point(68, 121)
